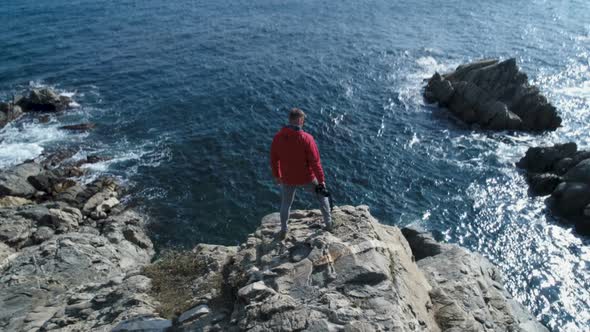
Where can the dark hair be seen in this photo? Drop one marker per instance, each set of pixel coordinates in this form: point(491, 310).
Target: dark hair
point(295, 114)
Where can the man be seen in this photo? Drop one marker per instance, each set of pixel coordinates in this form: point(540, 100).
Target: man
point(295, 163)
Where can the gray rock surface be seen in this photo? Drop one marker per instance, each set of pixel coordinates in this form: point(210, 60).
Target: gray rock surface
point(44, 100)
point(493, 94)
point(9, 112)
point(13, 182)
point(61, 271)
point(360, 277)
point(467, 293)
point(564, 173)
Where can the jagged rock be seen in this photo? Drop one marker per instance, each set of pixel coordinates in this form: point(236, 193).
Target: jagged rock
point(66, 219)
point(44, 100)
point(422, 243)
point(42, 234)
point(38, 214)
point(98, 199)
point(55, 158)
point(135, 235)
point(359, 277)
point(5, 252)
point(543, 184)
point(467, 293)
point(494, 94)
point(193, 313)
point(74, 259)
point(101, 306)
point(8, 113)
point(13, 182)
point(14, 229)
point(567, 180)
point(544, 159)
point(13, 201)
point(92, 159)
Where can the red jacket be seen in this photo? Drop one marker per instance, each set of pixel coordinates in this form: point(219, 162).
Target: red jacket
point(294, 157)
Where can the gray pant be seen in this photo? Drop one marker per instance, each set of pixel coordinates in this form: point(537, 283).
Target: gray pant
point(287, 196)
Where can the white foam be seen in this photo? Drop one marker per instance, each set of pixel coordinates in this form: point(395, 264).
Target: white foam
point(21, 142)
point(582, 90)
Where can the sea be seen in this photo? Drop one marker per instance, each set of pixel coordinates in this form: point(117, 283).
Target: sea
point(187, 96)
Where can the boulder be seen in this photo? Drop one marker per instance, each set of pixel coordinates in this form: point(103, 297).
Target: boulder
point(8, 113)
point(42, 234)
point(570, 198)
point(66, 219)
point(13, 201)
point(15, 230)
point(494, 94)
point(579, 173)
point(5, 252)
point(543, 184)
point(44, 100)
point(13, 182)
point(92, 159)
point(439, 90)
point(545, 159)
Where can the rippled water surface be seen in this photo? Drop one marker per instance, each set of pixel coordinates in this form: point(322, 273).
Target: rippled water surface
point(187, 95)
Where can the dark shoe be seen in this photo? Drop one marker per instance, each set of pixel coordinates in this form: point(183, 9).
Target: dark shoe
point(282, 234)
point(329, 227)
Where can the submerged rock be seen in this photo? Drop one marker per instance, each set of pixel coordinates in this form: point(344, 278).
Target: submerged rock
point(79, 127)
point(493, 94)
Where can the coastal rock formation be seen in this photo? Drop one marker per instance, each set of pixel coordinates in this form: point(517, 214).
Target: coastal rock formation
point(9, 112)
point(43, 100)
point(60, 268)
point(564, 173)
point(38, 100)
point(361, 276)
point(493, 94)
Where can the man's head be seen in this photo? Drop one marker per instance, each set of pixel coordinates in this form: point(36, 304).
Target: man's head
point(296, 117)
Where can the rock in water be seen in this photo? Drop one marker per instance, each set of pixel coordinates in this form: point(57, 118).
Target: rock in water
point(9, 112)
point(564, 173)
point(79, 127)
point(44, 100)
point(493, 94)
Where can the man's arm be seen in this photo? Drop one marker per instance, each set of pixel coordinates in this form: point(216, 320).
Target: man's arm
point(313, 157)
point(274, 159)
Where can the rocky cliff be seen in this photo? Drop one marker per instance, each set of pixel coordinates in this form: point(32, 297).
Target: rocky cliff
point(73, 258)
point(361, 276)
point(70, 253)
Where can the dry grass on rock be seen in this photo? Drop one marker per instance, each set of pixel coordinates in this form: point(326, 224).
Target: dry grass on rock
point(172, 277)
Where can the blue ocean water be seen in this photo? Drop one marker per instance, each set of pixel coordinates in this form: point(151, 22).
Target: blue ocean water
point(187, 95)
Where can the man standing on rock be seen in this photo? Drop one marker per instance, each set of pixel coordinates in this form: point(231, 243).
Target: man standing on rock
point(295, 163)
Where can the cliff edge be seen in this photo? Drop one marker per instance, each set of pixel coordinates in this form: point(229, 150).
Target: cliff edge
point(361, 276)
